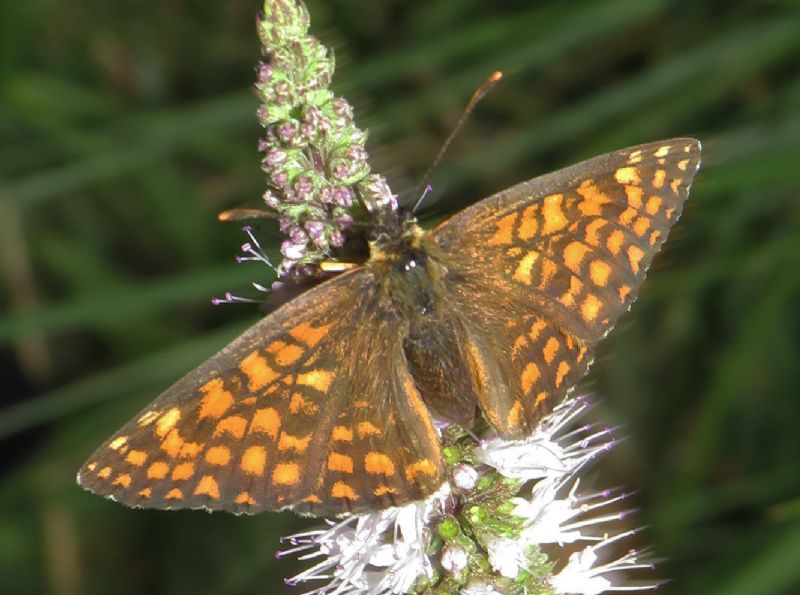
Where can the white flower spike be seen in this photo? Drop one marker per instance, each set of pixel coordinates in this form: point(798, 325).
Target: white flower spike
point(483, 531)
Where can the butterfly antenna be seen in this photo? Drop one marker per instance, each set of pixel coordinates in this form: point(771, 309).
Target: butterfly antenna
point(479, 94)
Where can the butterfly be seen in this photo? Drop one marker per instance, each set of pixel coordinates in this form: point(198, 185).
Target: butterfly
point(328, 405)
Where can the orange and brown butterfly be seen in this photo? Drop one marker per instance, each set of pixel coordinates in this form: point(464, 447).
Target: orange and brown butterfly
point(326, 405)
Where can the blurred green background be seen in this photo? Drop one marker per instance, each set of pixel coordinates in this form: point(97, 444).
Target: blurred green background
point(126, 126)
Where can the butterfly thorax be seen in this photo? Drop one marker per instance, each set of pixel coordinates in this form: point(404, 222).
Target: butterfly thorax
point(401, 262)
point(411, 275)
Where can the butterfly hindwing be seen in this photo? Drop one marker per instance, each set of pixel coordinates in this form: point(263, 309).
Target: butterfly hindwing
point(311, 409)
point(560, 258)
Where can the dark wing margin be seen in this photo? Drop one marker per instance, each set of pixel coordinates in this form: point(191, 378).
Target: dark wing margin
point(312, 409)
point(548, 266)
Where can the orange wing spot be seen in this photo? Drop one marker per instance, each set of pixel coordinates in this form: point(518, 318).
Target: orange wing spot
point(477, 366)
point(318, 379)
point(266, 421)
point(233, 425)
point(635, 255)
point(654, 237)
point(615, 241)
point(308, 334)
point(682, 164)
point(658, 178)
point(157, 470)
point(216, 401)
point(147, 418)
point(505, 231)
point(245, 498)
point(674, 185)
point(218, 455)
point(298, 404)
point(523, 272)
point(207, 486)
point(183, 471)
point(312, 499)
point(254, 460)
point(104, 473)
point(662, 151)
point(514, 251)
point(413, 397)
point(91, 466)
point(575, 286)
point(554, 218)
point(593, 199)
point(288, 441)
point(627, 175)
point(167, 421)
point(640, 226)
point(653, 205)
point(626, 216)
point(172, 443)
point(561, 372)
point(123, 480)
point(573, 256)
point(624, 290)
point(361, 404)
point(634, 194)
point(286, 474)
point(528, 225)
point(340, 462)
point(549, 269)
point(276, 346)
point(537, 327)
point(118, 442)
point(581, 352)
point(422, 466)
point(382, 490)
point(258, 372)
point(342, 434)
point(366, 428)
point(145, 493)
point(589, 208)
point(174, 494)
point(550, 350)
point(599, 272)
point(635, 157)
point(342, 490)
point(136, 457)
point(590, 307)
point(669, 212)
point(515, 414)
point(592, 230)
point(288, 355)
point(190, 450)
point(540, 398)
point(378, 463)
point(519, 344)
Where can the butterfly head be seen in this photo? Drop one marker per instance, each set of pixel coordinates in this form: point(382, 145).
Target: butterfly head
point(394, 236)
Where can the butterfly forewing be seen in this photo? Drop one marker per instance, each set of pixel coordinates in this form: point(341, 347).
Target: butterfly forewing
point(312, 409)
point(548, 266)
